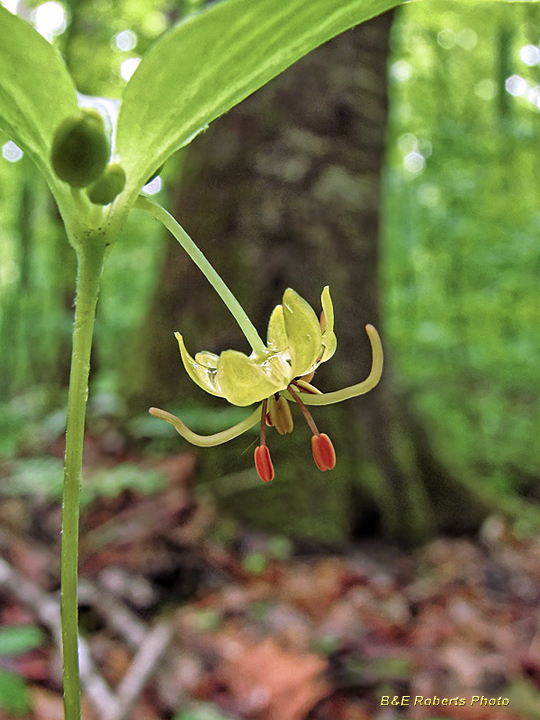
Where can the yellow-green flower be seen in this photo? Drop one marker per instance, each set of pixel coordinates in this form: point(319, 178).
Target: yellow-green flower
point(295, 346)
point(297, 342)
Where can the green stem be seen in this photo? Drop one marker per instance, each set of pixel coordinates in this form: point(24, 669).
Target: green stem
point(90, 264)
point(245, 324)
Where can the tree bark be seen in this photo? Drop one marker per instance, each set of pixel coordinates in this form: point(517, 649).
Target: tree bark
point(284, 191)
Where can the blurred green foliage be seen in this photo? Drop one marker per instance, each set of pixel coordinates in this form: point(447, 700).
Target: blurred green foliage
point(14, 695)
point(16, 640)
point(42, 476)
point(19, 639)
point(461, 246)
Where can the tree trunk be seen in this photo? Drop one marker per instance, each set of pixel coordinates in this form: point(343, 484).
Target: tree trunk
point(284, 191)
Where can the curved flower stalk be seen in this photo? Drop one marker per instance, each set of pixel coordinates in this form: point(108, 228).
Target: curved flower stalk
point(280, 373)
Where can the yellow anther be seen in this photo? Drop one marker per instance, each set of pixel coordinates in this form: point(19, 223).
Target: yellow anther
point(280, 414)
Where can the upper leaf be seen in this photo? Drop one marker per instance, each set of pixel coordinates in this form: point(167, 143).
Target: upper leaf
point(212, 61)
point(36, 91)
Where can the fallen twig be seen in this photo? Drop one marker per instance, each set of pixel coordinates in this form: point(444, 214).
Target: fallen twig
point(140, 671)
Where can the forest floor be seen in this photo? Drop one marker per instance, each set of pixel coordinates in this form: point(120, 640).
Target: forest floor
point(191, 617)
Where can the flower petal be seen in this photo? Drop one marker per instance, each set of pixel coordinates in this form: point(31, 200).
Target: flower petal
point(276, 337)
point(303, 332)
point(200, 372)
point(208, 359)
point(245, 380)
point(329, 340)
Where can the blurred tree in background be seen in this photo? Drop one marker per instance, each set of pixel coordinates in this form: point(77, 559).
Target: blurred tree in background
point(284, 190)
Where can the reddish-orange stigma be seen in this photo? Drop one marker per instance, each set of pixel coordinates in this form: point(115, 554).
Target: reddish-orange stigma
point(323, 452)
point(263, 463)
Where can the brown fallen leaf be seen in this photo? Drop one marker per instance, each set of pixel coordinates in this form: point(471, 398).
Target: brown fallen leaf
point(265, 682)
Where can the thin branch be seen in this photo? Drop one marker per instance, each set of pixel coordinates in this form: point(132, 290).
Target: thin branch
point(117, 616)
point(143, 666)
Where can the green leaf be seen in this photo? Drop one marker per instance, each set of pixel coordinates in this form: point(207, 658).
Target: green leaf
point(36, 91)
point(14, 695)
point(34, 476)
point(110, 482)
point(212, 61)
point(19, 639)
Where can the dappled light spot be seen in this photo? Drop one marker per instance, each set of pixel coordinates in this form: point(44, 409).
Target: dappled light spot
point(11, 152)
point(50, 19)
point(125, 40)
point(447, 38)
point(414, 162)
point(407, 142)
point(467, 39)
point(415, 151)
point(534, 94)
point(11, 5)
point(516, 85)
point(401, 70)
point(153, 187)
point(530, 54)
point(128, 67)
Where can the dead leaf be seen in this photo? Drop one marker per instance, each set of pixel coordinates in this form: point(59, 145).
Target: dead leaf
point(50, 706)
point(265, 682)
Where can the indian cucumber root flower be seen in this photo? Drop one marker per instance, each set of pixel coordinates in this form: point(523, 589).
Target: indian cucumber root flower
point(297, 342)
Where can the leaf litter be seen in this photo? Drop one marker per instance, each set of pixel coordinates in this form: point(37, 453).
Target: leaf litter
point(261, 635)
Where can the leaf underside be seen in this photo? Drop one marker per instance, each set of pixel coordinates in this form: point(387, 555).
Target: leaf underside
point(213, 60)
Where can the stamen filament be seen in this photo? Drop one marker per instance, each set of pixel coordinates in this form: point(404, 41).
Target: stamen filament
point(207, 440)
point(263, 422)
point(305, 411)
point(238, 312)
point(353, 390)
